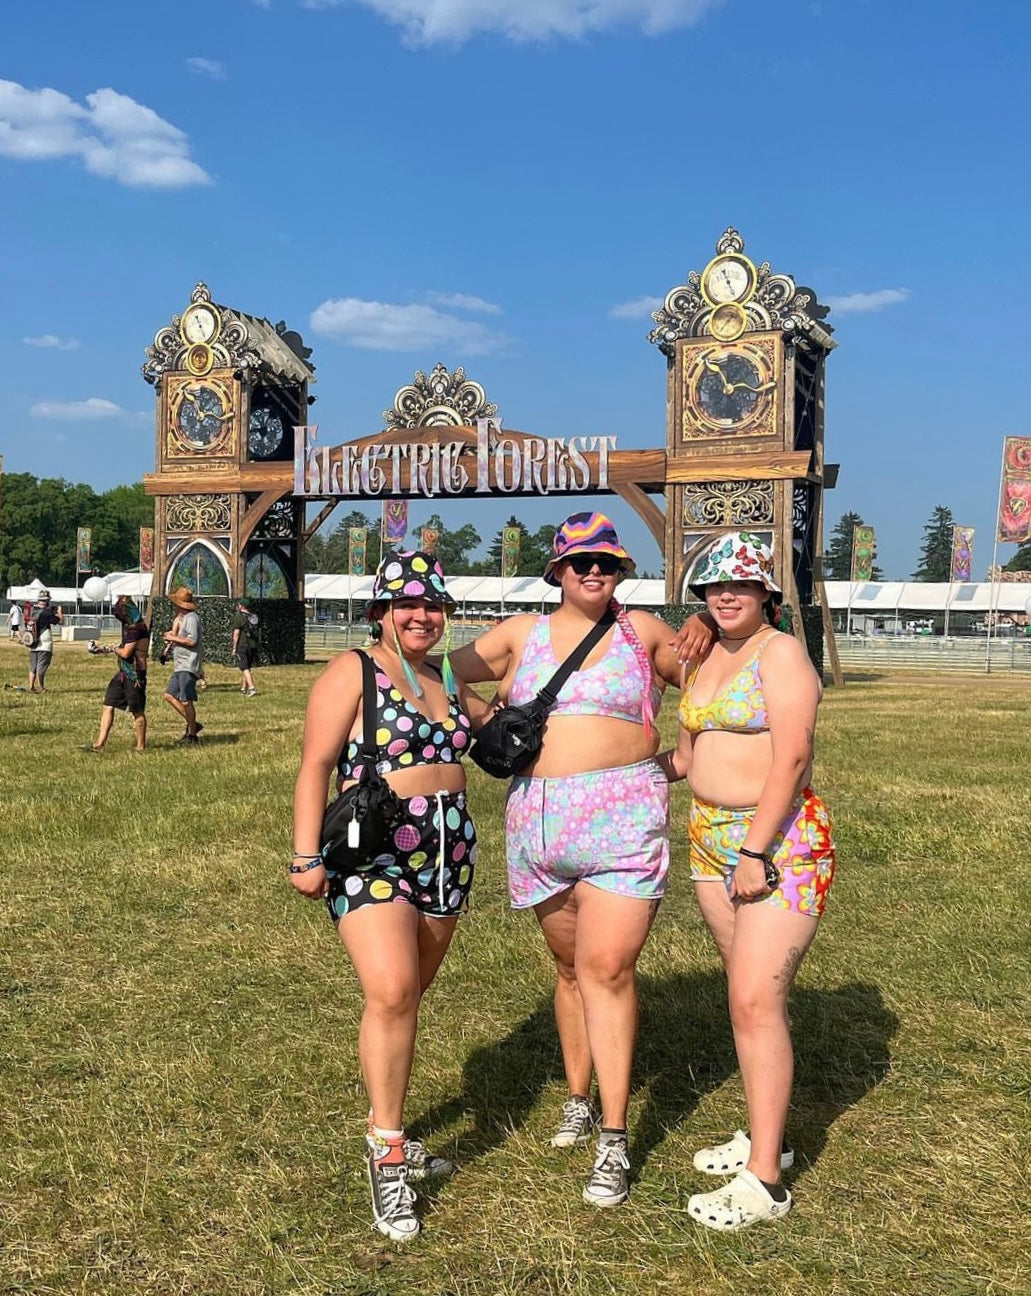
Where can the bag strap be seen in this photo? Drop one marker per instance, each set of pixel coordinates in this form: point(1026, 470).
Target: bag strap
point(369, 748)
point(548, 695)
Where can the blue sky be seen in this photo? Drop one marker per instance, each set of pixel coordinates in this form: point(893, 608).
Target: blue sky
point(504, 185)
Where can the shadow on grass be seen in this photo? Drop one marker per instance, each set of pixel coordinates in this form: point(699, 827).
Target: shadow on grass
point(685, 1049)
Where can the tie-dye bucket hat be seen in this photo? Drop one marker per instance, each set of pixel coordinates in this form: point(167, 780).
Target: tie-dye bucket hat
point(736, 556)
point(410, 574)
point(587, 533)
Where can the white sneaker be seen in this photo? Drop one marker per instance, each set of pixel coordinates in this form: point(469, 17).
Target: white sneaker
point(737, 1204)
point(729, 1158)
point(608, 1184)
point(393, 1201)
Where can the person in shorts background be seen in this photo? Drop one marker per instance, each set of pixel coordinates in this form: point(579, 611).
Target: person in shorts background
point(185, 640)
point(761, 853)
point(397, 914)
point(45, 616)
point(127, 690)
point(14, 621)
point(245, 645)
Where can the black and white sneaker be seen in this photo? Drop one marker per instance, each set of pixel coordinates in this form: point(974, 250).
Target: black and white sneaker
point(392, 1200)
point(423, 1164)
point(608, 1184)
point(579, 1118)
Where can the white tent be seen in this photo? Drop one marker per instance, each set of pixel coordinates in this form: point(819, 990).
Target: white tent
point(880, 597)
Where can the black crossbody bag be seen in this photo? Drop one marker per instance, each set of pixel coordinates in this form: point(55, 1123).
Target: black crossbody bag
point(512, 737)
point(357, 822)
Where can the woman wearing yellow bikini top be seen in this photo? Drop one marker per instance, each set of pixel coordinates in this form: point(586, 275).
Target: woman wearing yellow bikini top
point(761, 854)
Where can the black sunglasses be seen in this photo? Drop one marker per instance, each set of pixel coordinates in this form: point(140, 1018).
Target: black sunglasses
point(583, 563)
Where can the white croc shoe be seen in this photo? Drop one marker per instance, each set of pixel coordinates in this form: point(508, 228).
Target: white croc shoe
point(737, 1204)
point(729, 1158)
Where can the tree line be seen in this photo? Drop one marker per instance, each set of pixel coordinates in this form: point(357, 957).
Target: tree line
point(39, 518)
point(935, 549)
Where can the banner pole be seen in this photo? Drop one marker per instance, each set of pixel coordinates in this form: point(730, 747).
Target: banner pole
point(995, 564)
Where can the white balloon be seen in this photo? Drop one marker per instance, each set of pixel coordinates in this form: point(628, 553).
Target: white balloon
point(95, 589)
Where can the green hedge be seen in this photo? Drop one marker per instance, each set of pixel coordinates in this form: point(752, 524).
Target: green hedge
point(281, 634)
point(675, 614)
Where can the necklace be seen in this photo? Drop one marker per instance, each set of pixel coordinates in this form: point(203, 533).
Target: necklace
point(740, 638)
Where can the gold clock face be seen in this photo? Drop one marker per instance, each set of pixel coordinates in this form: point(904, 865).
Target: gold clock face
point(728, 278)
point(199, 323)
point(728, 321)
point(201, 415)
point(730, 388)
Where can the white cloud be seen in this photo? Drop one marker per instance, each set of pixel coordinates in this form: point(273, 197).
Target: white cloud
point(115, 136)
point(463, 301)
point(858, 303)
point(639, 308)
point(382, 326)
point(207, 67)
point(49, 340)
point(67, 411)
point(425, 22)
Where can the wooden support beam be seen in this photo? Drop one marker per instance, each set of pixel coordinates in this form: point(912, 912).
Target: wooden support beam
point(767, 466)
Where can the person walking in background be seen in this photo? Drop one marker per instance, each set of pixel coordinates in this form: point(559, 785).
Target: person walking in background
point(761, 853)
point(185, 640)
point(245, 644)
point(397, 913)
point(14, 621)
point(127, 690)
point(41, 621)
point(586, 825)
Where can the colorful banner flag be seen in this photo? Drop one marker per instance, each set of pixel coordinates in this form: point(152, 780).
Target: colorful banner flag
point(1014, 524)
point(962, 552)
point(430, 536)
point(510, 538)
point(863, 549)
point(395, 523)
point(83, 541)
point(357, 547)
point(146, 549)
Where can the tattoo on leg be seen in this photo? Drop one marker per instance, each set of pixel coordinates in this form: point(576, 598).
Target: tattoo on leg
point(787, 973)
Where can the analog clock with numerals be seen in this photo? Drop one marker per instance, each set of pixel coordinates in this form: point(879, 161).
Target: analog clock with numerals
point(729, 389)
point(202, 415)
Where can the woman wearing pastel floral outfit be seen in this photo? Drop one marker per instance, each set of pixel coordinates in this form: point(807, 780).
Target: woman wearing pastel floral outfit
point(761, 853)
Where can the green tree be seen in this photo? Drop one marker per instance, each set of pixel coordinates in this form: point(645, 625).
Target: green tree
point(453, 547)
point(1021, 560)
point(330, 553)
point(837, 563)
point(936, 550)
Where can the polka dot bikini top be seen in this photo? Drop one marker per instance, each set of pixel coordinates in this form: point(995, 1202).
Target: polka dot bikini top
point(405, 736)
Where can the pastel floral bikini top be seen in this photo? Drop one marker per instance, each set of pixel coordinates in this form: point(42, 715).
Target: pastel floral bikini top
point(740, 708)
point(405, 736)
point(611, 687)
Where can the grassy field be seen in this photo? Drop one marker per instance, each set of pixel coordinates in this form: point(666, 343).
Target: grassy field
point(180, 1108)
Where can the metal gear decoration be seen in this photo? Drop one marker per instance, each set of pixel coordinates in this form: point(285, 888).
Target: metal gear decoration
point(442, 399)
point(280, 522)
point(777, 303)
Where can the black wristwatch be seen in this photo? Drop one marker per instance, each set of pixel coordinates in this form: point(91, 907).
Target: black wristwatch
point(770, 870)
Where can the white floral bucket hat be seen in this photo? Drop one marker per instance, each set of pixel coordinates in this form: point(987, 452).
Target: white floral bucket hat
point(736, 556)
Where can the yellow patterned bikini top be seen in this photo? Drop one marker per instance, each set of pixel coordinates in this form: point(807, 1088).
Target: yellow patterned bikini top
point(740, 708)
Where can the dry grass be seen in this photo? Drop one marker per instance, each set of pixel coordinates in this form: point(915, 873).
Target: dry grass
point(179, 1102)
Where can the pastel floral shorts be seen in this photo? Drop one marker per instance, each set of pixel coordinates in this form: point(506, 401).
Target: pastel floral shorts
point(609, 827)
point(803, 850)
point(416, 866)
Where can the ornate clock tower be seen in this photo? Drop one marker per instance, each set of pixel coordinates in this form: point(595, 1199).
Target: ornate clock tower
point(230, 389)
point(745, 353)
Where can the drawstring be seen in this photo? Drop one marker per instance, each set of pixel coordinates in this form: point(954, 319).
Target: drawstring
point(440, 845)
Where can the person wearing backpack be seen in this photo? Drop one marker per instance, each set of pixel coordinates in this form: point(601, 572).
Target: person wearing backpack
point(39, 624)
point(246, 628)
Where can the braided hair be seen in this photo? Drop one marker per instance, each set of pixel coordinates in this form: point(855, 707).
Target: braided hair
point(644, 661)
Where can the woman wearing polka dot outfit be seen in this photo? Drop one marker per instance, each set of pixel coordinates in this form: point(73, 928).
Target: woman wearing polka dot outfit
point(396, 915)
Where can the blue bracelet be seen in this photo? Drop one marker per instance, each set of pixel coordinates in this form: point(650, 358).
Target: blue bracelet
point(314, 861)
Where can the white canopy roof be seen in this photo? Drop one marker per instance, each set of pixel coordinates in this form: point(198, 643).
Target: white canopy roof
point(927, 596)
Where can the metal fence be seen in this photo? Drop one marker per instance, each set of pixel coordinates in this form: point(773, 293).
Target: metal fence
point(935, 654)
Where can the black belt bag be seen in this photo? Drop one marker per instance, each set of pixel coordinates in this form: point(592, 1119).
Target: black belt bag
point(357, 823)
